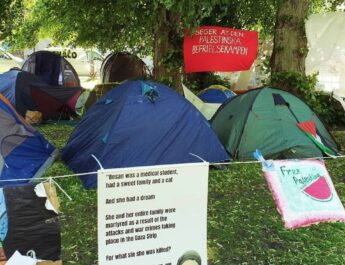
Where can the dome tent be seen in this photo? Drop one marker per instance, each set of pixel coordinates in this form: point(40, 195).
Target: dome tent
point(138, 124)
point(27, 91)
point(52, 69)
point(24, 153)
point(216, 94)
point(120, 66)
point(270, 120)
point(116, 68)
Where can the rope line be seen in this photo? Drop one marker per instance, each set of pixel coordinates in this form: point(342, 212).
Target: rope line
point(51, 177)
point(257, 162)
point(211, 164)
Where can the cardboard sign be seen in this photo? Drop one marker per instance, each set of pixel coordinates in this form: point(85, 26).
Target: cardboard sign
point(219, 49)
point(153, 215)
point(304, 192)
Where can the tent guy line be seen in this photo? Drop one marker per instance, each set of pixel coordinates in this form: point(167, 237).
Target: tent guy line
point(51, 180)
point(211, 164)
point(257, 162)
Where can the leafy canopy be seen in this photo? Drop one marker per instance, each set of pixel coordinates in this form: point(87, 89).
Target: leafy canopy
point(123, 24)
point(11, 12)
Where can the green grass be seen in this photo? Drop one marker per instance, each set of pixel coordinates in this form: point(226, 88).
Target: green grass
point(244, 226)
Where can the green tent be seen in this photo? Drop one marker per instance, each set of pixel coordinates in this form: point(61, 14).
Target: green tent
point(270, 120)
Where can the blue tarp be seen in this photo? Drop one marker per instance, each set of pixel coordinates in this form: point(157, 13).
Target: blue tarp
point(3, 217)
point(128, 128)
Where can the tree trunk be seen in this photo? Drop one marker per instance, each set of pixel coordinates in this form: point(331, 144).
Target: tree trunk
point(290, 41)
point(167, 46)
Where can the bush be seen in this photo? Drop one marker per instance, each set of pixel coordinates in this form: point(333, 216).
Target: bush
point(327, 108)
point(200, 81)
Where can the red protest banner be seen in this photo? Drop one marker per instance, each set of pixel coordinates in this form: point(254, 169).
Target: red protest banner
point(219, 49)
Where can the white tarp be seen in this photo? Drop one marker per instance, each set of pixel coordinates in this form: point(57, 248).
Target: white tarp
point(326, 39)
point(207, 109)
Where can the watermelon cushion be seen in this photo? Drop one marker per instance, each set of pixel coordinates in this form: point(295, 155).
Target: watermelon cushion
point(319, 190)
point(304, 192)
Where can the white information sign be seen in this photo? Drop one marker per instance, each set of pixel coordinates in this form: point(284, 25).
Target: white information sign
point(153, 215)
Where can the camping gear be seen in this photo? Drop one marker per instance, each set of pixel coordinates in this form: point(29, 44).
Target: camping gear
point(26, 91)
point(268, 119)
point(116, 68)
point(33, 117)
point(30, 222)
point(121, 66)
point(97, 92)
point(139, 124)
point(52, 69)
point(24, 153)
point(216, 94)
point(80, 106)
point(206, 109)
point(304, 192)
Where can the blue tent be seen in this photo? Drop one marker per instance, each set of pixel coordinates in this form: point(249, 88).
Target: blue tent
point(24, 153)
point(138, 124)
point(8, 85)
point(216, 94)
point(27, 91)
point(52, 69)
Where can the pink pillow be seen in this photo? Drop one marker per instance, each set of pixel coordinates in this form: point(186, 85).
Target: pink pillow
point(303, 192)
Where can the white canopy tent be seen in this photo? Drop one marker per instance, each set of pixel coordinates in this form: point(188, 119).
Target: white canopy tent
point(207, 109)
point(326, 39)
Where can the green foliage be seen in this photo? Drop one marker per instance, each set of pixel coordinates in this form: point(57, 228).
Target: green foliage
point(305, 86)
point(122, 25)
point(244, 226)
point(168, 81)
point(106, 24)
point(200, 81)
point(318, 6)
point(255, 15)
point(11, 12)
